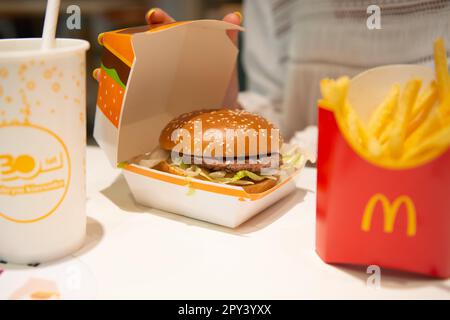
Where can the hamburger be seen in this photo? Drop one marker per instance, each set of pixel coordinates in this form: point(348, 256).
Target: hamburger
point(225, 146)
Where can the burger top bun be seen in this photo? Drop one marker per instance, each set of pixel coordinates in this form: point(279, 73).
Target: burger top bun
point(243, 123)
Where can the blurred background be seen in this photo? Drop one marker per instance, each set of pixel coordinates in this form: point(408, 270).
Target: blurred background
point(289, 44)
point(25, 18)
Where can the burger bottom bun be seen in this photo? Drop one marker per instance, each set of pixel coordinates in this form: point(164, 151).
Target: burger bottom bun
point(258, 187)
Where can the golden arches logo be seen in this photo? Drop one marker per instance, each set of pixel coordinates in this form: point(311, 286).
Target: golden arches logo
point(390, 213)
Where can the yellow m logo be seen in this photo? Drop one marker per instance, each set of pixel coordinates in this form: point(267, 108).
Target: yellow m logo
point(390, 213)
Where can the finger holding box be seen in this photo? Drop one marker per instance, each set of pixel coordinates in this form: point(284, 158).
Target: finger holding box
point(158, 16)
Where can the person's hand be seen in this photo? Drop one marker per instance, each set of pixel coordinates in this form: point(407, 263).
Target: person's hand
point(157, 16)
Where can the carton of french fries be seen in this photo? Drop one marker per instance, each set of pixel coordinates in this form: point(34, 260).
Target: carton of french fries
point(384, 168)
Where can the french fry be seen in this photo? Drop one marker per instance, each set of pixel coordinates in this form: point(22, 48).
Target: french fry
point(384, 137)
point(402, 116)
point(406, 126)
point(442, 75)
point(436, 142)
point(374, 147)
point(354, 125)
point(431, 126)
point(334, 92)
point(327, 91)
point(423, 107)
point(437, 119)
point(363, 136)
point(384, 112)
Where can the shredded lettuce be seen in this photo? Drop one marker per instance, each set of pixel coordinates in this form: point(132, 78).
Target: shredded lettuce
point(240, 182)
point(237, 179)
point(122, 165)
point(247, 174)
point(218, 174)
point(183, 165)
point(190, 192)
point(177, 161)
point(292, 157)
point(154, 158)
point(192, 171)
point(206, 175)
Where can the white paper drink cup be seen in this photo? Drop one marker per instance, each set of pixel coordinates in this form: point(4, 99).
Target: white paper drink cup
point(42, 149)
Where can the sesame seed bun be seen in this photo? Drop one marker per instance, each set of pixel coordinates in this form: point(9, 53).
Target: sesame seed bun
point(242, 122)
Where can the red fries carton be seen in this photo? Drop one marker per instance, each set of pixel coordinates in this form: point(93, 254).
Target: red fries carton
point(373, 213)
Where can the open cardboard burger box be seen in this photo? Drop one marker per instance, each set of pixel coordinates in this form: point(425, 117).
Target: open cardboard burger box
point(372, 213)
point(148, 77)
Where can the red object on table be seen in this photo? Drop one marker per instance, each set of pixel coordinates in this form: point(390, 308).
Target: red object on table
point(369, 215)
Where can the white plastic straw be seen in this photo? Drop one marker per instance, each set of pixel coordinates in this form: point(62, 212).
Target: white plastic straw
point(51, 20)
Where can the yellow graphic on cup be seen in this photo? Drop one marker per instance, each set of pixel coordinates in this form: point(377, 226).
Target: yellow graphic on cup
point(34, 177)
point(25, 167)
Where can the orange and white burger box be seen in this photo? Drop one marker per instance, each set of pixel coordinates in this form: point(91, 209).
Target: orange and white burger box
point(149, 76)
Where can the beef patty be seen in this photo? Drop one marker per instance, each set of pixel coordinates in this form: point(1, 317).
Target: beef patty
point(253, 165)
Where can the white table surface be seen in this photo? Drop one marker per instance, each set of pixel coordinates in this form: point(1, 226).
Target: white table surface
point(136, 252)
